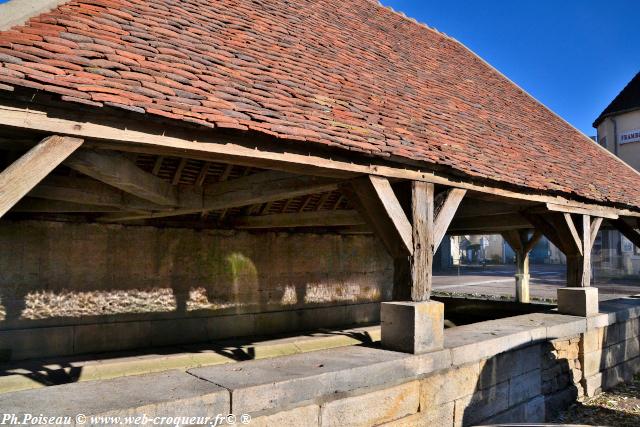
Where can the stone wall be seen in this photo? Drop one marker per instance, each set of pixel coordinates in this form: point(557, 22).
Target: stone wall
point(561, 362)
point(519, 369)
point(75, 288)
point(610, 355)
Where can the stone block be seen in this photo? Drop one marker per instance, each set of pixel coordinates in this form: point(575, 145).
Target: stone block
point(238, 325)
point(19, 344)
point(592, 385)
point(481, 405)
point(372, 408)
point(170, 393)
point(448, 385)
point(524, 387)
point(592, 340)
point(412, 327)
point(593, 362)
point(178, 331)
point(480, 341)
point(578, 301)
point(509, 364)
point(441, 415)
point(302, 416)
point(566, 326)
point(534, 410)
point(599, 320)
point(287, 381)
point(101, 337)
point(516, 414)
point(559, 401)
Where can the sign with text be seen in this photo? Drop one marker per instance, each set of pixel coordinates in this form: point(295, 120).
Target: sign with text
point(630, 136)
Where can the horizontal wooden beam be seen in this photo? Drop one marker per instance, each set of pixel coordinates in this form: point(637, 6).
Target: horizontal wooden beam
point(261, 187)
point(592, 211)
point(118, 171)
point(338, 218)
point(26, 172)
point(139, 137)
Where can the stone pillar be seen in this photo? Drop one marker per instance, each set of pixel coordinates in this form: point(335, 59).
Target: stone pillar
point(412, 327)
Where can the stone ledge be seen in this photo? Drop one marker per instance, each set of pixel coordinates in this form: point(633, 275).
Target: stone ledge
point(170, 393)
point(319, 376)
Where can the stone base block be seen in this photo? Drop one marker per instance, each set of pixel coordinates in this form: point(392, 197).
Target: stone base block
point(578, 301)
point(412, 327)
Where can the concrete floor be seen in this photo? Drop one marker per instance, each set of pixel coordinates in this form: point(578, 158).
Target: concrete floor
point(498, 280)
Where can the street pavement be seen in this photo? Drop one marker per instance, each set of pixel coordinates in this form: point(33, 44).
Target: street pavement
point(498, 281)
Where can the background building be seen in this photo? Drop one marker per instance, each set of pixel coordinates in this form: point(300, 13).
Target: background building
point(618, 129)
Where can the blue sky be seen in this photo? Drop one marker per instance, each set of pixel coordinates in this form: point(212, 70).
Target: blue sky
point(572, 55)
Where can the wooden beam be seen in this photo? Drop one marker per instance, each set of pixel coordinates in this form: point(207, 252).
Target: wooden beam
point(29, 205)
point(249, 190)
point(338, 218)
point(135, 136)
point(118, 171)
point(596, 223)
point(577, 240)
point(541, 224)
point(87, 191)
point(627, 231)
point(533, 241)
point(23, 174)
point(423, 230)
point(445, 214)
point(592, 211)
point(377, 203)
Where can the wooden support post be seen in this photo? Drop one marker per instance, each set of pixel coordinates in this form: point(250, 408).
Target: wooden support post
point(411, 242)
point(421, 263)
point(575, 239)
point(522, 245)
point(22, 175)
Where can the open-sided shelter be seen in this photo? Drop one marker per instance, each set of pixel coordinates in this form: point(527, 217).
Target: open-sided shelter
point(304, 116)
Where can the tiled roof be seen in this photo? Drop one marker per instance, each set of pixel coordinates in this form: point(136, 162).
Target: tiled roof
point(348, 74)
point(628, 99)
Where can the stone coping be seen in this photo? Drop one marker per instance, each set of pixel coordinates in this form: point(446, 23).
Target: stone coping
point(274, 384)
point(24, 375)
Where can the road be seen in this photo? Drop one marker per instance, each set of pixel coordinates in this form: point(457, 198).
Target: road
point(498, 280)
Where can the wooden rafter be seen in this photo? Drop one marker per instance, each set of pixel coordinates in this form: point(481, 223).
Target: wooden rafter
point(26, 172)
point(81, 190)
point(248, 190)
point(119, 172)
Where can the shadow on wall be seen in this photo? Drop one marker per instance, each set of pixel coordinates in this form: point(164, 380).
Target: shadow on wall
point(63, 370)
point(537, 383)
point(57, 270)
point(530, 384)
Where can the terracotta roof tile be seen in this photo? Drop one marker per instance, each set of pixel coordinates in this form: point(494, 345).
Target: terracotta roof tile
point(361, 78)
